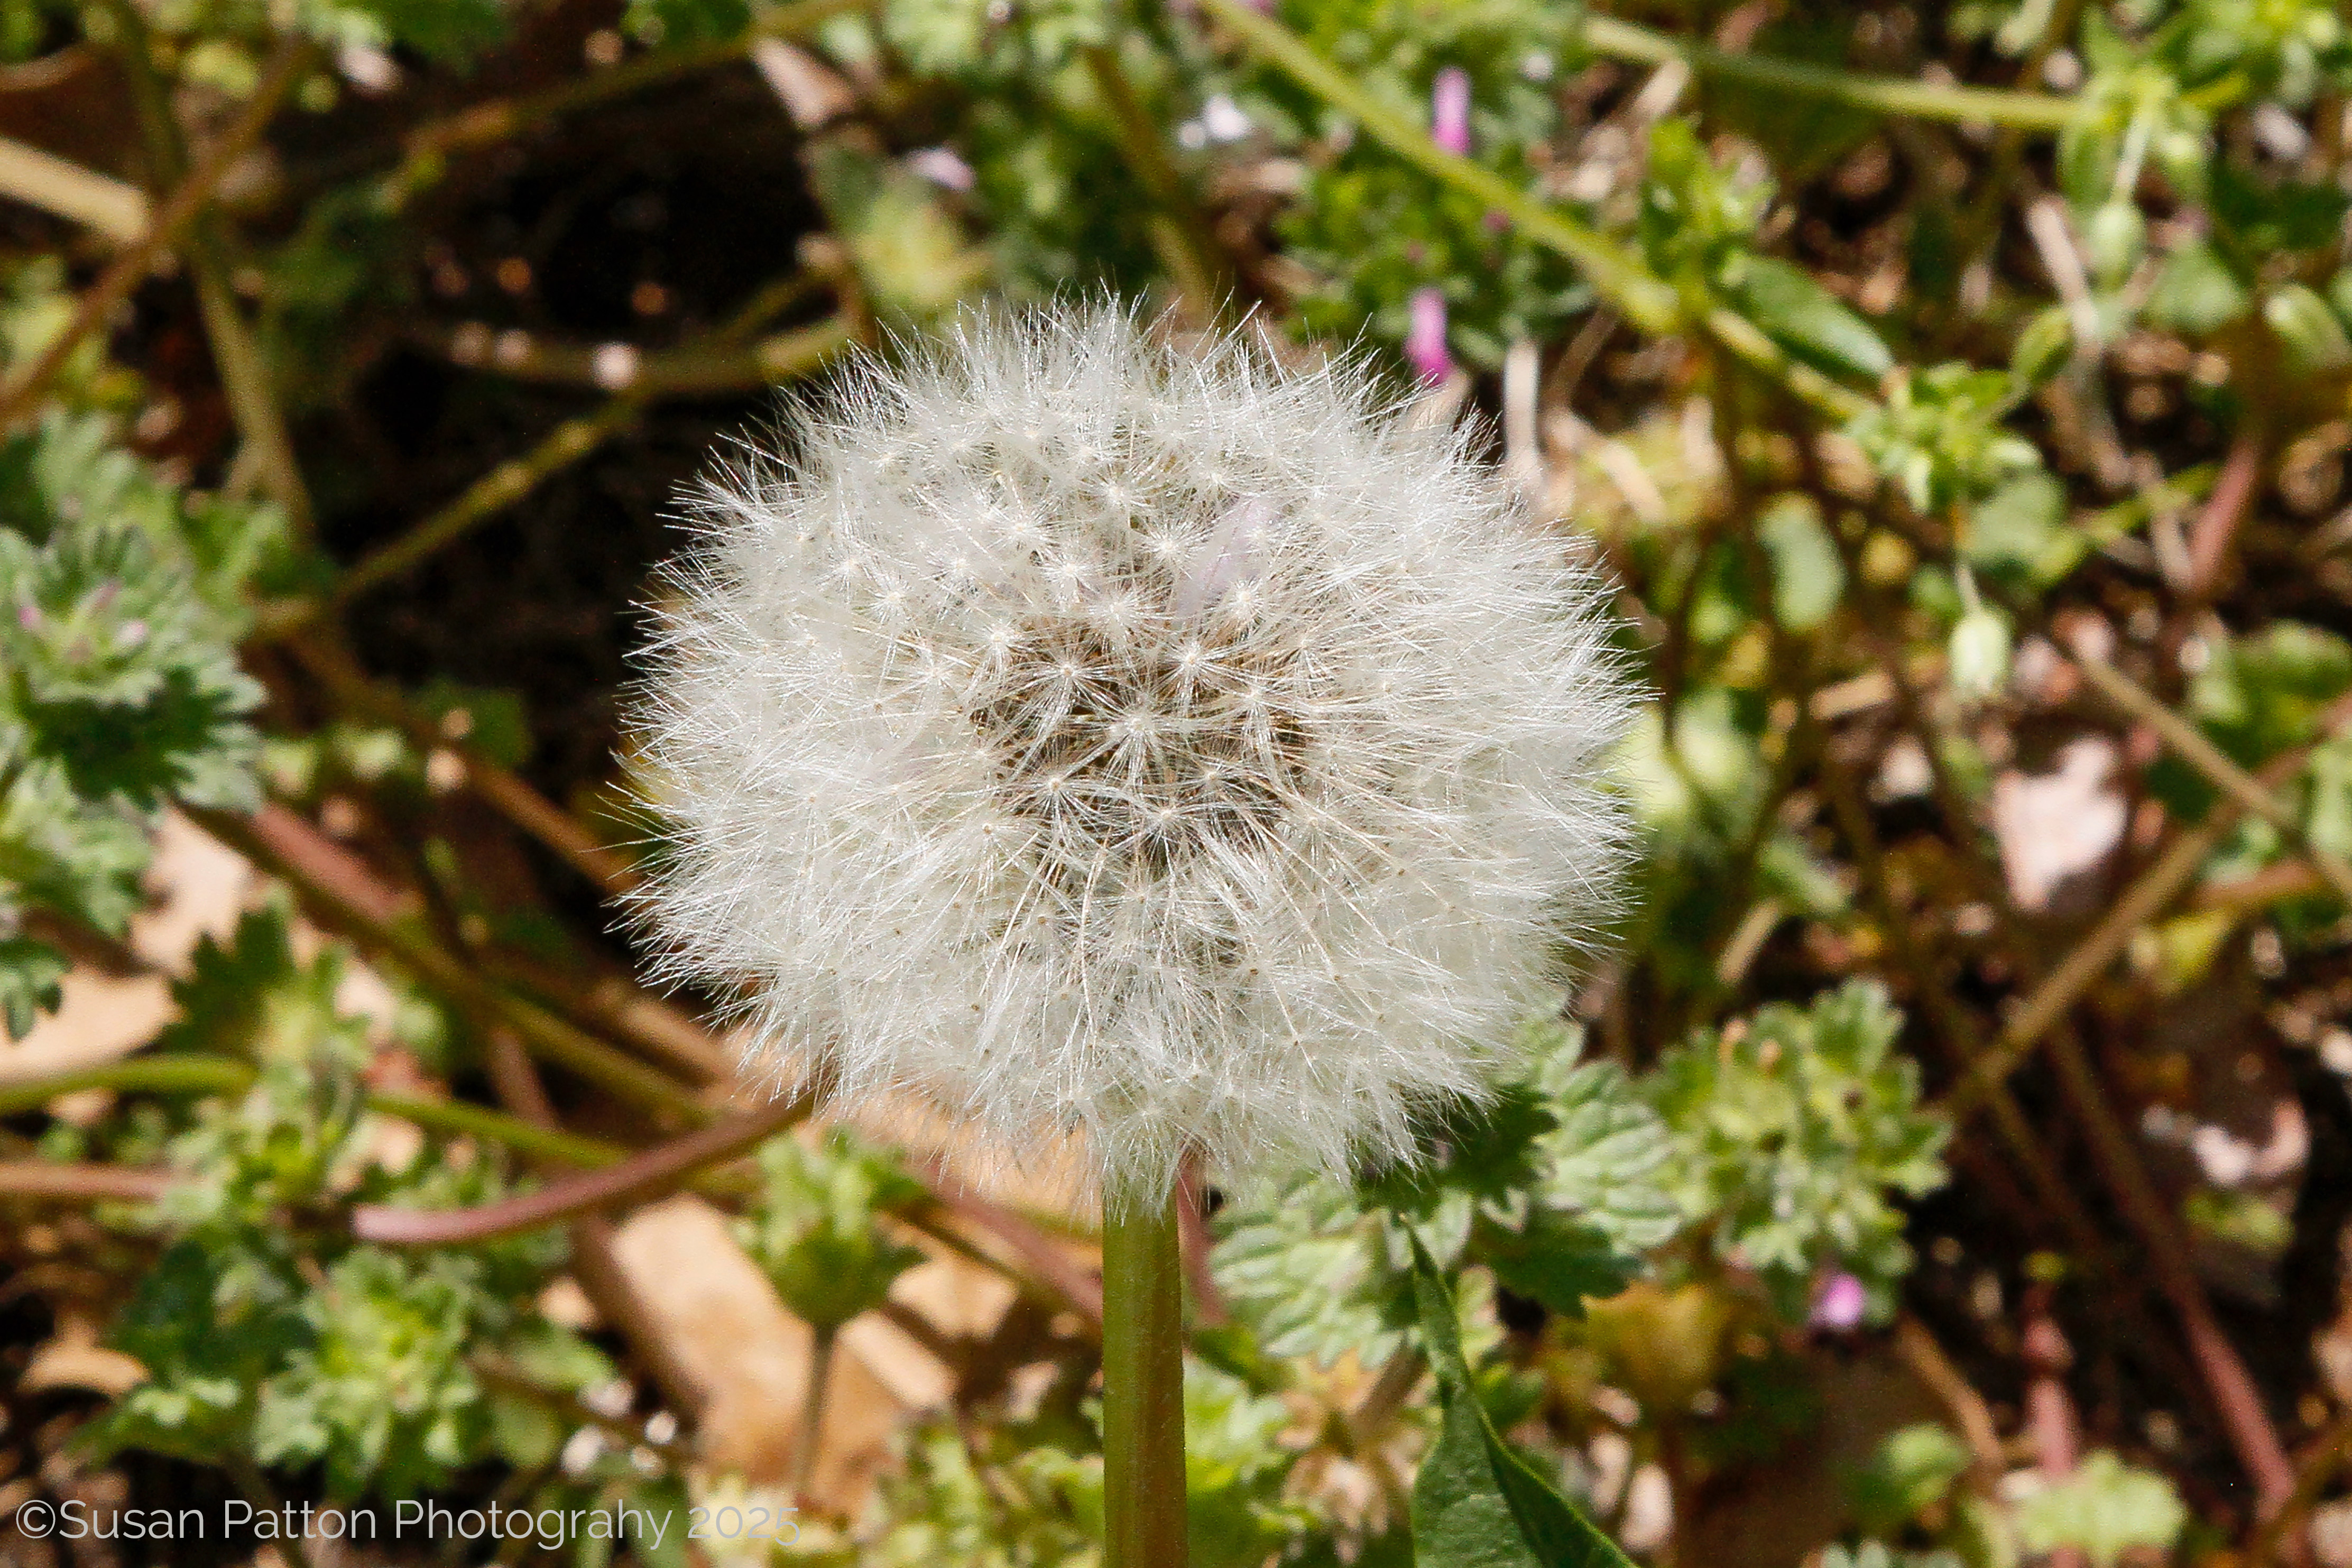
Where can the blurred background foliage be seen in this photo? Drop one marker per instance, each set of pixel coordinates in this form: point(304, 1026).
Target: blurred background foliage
point(1950, 1164)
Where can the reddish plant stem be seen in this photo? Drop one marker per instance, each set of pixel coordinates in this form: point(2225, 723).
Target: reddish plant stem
point(2149, 895)
point(595, 1262)
point(1953, 1028)
point(338, 890)
point(2226, 506)
point(658, 1170)
point(81, 1184)
point(2049, 1408)
point(1193, 1235)
point(1928, 1363)
point(1048, 1263)
point(2283, 1534)
point(2236, 1399)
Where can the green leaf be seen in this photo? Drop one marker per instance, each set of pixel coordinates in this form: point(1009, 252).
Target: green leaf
point(1911, 1472)
point(2262, 219)
point(1484, 1151)
point(2019, 533)
point(2197, 291)
point(2259, 694)
point(1604, 1160)
point(1235, 1470)
point(1792, 1132)
point(1808, 320)
point(2105, 1508)
point(1477, 1503)
point(817, 1231)
point(1557, 1262)
point(2041, 348)
point(2315, 339)
point(452, 31)
point(1808, 578)
point(29, 972)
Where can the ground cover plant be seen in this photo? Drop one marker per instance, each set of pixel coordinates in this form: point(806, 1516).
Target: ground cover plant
point(1947, 1160)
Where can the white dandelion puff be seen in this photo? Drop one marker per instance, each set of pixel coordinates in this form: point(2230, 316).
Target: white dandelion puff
point(1094, 734)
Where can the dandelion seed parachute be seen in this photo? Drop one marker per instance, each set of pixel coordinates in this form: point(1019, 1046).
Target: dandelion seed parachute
point(1092, 733)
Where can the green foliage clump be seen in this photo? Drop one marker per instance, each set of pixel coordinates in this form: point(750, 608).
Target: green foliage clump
point(2105, 1508)
point(1557, 1186)
point(1375, 231)
point(119, 689)
point(264, 1329)
point(817, 1231)
point(1789, 1135)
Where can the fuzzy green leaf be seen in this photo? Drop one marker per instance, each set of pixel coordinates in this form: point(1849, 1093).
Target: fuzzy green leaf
point(1477, 1503)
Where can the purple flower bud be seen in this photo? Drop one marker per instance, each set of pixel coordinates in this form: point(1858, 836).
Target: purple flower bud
point(29, 617)
point(1424, 345)
point(1841, 1303)
point(1449, 110)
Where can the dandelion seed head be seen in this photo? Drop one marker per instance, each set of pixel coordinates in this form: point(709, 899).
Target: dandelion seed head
point(1246, 813)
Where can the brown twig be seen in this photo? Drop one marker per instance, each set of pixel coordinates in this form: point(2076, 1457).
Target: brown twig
point(2235, 1397)
point(595, 1262)
point(81, 1184)
point(55, 185)
point(641, 1176)
point(339, 892)
point(170, 227)
point(2189, 742)
point(2149, 896)
point(353, 690)
point(2226, 507)
point(2280, 1535)
point(1926, 1358)
point(1956, 1032)
point(485, 124)
point(714, 364)
point(2049, 1407)
point(1049, 1264)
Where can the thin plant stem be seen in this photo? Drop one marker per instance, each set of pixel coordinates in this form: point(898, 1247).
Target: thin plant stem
point(1622, 279)
point(59, 185)
point(1179, 231)
point(1143, 1386)
point(2282, 1533)
point(2190, 744)
point(263, 1499)
point(595, 1262)
point(656, 1171)
point(1953, 1028)
point(1880, 94)
point(197, 1075)
point(238, 357)
point(287, 848)
point(2232, 1387)
point(2149, 895)
point(812, 1422)
point(202, 1075)
point(81, 1184)
point(777, 359)
point(1643, 298)
point(499, 119)
point(172, 221)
